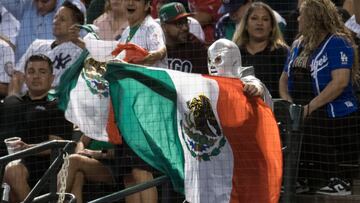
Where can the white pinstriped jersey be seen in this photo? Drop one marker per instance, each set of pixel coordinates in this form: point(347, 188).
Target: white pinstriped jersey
point(7, 58)
point(9, 26)
point(62, 56)
point(149, 36)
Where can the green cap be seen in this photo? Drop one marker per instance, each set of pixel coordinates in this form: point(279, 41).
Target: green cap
point(171, 12)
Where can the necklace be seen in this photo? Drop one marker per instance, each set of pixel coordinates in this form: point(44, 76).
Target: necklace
point(132, 32)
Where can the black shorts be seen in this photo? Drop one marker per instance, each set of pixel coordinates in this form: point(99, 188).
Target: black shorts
point(128, 160)
point(36, 166)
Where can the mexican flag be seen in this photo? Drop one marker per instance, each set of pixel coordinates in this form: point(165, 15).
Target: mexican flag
point(83, 94)
point(214, 142)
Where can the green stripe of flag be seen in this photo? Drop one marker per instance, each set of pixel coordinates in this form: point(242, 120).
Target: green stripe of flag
point(144, 104)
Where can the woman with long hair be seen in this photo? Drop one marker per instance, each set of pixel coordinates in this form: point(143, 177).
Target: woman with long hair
point(320, 71)
point(262, 45)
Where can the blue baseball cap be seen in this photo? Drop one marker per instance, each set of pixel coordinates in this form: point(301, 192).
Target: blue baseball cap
point(228, 6)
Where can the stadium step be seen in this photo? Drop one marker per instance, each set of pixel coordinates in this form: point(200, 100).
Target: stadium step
point(312, 198)
point(327, 199)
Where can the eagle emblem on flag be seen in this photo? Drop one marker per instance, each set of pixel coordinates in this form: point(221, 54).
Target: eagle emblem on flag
point(93, 75)
point(200, 129)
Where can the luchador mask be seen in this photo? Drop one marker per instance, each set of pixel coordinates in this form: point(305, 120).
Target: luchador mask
point(224, 58)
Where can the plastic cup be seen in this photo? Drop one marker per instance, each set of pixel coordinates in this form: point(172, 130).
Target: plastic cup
point(11, 144)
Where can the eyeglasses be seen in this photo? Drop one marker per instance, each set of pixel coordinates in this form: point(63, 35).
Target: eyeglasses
point(181, 23)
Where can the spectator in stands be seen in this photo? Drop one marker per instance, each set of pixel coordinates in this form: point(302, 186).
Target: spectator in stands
point(206, 13)
point(113, 21)
point(67, 46)
point(185, 51)
point(95, 9)
point(145, 32)
point(291, 30)
point(9, 26)
point(35, 17)
point(261, 45)
point(224, 59)
point(33, 118)
point(348, 5)
point(281, 6)
point(155, 8)
point(7, 60)
point(194, 25)
point(94, 162)
point(354, 25)
point(356, 10)
point(344, 14)
point(354, 22)
point(232, 12)
point(319, 74)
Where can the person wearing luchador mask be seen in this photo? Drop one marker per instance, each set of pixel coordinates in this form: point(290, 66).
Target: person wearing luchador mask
point(224, 59)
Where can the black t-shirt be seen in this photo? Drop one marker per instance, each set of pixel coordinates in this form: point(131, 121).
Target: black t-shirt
point(268, 66)
point(33, 120)
point(190, 57)
point(301, 76)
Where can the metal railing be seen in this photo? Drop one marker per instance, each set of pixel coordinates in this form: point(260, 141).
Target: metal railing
point(58, 147)
point(289, 118)
point(134, 189)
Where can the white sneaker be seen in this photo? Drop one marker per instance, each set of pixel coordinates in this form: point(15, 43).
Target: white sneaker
point(336, 187)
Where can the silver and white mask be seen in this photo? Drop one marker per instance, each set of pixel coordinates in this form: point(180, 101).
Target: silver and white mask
point(224, 59)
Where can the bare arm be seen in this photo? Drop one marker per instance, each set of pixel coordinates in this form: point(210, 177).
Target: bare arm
point(82, 143)
point(153, 57)
point(356, 9)
point(16, 83)
point(96, 154)
point(348, 5)
point(22, 145)
point(283, 87)
point(340, 79)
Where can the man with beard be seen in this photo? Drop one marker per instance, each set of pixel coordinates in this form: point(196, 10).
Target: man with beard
point(186, 53)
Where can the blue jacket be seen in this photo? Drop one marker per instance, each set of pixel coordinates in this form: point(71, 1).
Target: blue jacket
point(334, 53)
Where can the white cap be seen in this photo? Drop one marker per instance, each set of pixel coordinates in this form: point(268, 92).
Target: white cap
point(80, 5)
